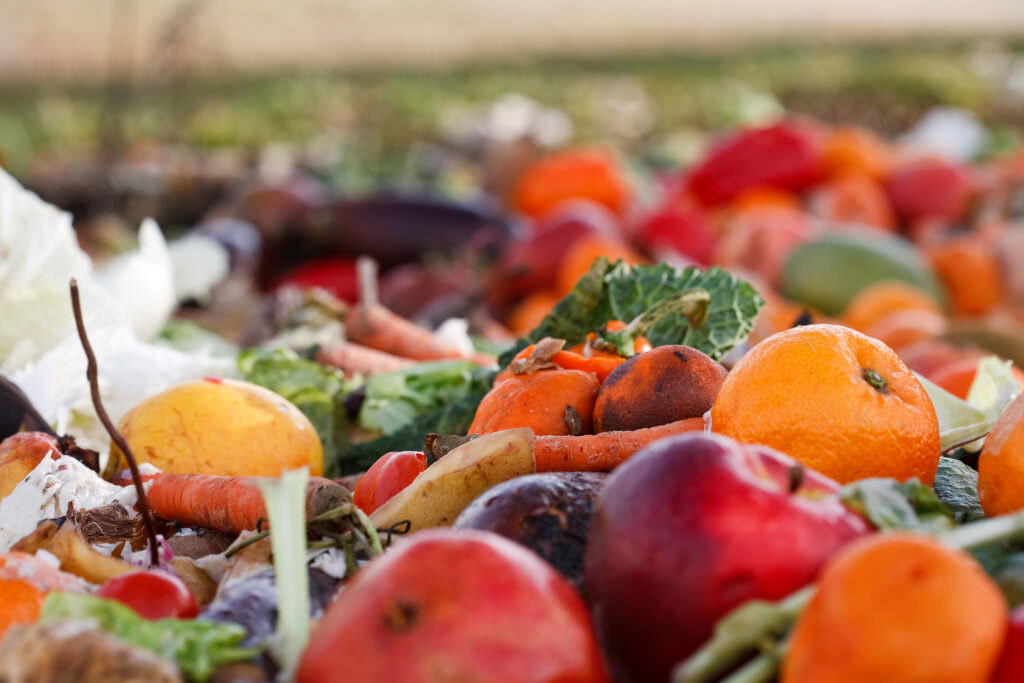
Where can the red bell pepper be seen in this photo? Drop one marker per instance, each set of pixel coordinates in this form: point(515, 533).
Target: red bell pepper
point(336, 274)
point(787, 155)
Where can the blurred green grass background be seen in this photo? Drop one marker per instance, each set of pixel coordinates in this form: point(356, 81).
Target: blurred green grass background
point(379, 114)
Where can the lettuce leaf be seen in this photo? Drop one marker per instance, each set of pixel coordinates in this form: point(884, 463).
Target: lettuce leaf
point(453, 418)
point(889, 504)
point(623, 292)
point(317, 390)
point(198, 647)
point(394, 399)
point(965, 423)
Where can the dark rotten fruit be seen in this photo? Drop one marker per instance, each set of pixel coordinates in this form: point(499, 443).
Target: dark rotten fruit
point(549, 513)
point(455, 605)
point(659, 386)
point(693, 526)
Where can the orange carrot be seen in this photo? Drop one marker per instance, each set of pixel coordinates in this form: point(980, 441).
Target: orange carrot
point(379, 328)
point(353, 359)
point(370, 324)
point(605, 451)
point(228, 504)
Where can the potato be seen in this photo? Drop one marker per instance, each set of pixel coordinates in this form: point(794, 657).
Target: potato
point(219, 426)
point(77, 652)
point(547, 512)
point(443, 490)
point(20, 454)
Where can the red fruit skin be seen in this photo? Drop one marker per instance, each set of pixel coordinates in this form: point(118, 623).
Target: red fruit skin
point(1011, 663)
point(532, 263)
point(455, 605)
point(337, 275)
point(153, 594)
point(930, 187)
point(687, 232)
point(388, 475)
point(785, 155)
point(693, 526)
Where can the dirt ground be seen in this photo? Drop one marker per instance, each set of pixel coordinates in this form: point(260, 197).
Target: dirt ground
point(89, 40)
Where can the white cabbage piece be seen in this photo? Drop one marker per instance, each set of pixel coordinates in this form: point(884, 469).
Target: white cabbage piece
point(130, 371)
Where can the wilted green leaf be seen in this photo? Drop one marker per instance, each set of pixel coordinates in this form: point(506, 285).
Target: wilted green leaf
point(889, 504)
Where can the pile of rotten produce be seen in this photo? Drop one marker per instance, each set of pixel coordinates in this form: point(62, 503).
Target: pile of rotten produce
point(806, 465)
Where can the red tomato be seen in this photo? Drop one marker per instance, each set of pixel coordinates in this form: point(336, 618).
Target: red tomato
point(336, 274)
point(390, 474)
point(153, 594)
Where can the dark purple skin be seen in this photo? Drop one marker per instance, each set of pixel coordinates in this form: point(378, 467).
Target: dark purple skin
point(549, 513)
point(693, 526)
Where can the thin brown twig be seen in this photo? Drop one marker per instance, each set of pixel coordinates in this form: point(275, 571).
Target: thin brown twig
point(92, 374)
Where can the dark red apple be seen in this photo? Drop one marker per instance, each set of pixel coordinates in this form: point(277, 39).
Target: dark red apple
point(693, 526)
point(1011, 664)
point(455, 605)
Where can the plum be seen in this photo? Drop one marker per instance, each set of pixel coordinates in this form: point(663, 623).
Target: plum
point(549, 513)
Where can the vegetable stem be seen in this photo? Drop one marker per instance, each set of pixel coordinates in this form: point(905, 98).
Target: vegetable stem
point(92, 374)
point(692, 304)
point(762, 668)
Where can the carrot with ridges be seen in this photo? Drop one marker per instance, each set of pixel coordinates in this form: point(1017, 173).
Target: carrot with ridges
point(355, 359)
point(605, 451)
point(229, 504)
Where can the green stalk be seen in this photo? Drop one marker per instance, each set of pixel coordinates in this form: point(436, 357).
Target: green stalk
point(762, 668)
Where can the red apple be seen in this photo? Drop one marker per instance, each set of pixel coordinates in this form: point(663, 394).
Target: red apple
point(455, 605)
point(1011, 664)
point(693, 526)
point(532, 263)
point(930, 187)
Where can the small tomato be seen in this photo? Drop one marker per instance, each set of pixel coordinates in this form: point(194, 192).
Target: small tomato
point(390, 474)
point(153, 594)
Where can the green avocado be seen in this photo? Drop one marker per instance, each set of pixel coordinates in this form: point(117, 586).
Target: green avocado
point(827, 272)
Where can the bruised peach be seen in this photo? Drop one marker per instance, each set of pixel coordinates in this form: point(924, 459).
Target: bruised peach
point(219, 426)
point(659, 386)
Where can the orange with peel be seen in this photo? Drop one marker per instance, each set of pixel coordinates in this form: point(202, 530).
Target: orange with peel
point(899, 608)
point(835, 400)
point(873, 303)
point(901, 329)
point(1001, 463)
point(970, 270)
